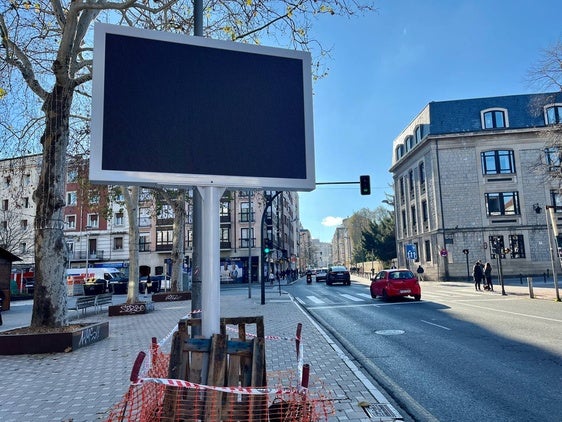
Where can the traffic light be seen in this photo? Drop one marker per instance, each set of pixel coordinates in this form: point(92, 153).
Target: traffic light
point(365, 184)
point(267, 246)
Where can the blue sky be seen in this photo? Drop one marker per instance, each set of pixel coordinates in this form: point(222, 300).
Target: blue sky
point(385, 67)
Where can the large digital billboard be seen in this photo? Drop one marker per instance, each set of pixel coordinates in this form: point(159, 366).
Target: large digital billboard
point(176, 110)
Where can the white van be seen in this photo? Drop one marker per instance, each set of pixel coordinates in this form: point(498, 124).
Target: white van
point(97, 280)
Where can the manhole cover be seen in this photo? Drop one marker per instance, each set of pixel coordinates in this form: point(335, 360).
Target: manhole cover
point(389, 332)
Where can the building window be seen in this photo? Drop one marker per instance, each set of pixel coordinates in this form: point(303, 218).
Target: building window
point(5, 204)
point(411, 182)
point(144, 217)
point(427, 250)
point(553, 114)
point(494, 119)
point(23, 224)
point(225, 209)
point(119, 219)
point(421, 172)
point(72, 176)
point(26, 202)
point(245, 215)
point(517, 246)
point(425, 214)
point(70, 221)
point(556, 199)
point(552, 158)
point(409, 143)
point(247, 238)
point(23, 247)
point(117, 243)
point(498, 162)
point(418, 133)
point(502, 203)
point(144, 244)
point(27, 180)
point(402, 190)
point(404, 221)
point(93, 220)
point(7, 181)
point(94, 198)
point(417, 248)
point(71, 198)
point(145, 195)
point(164, 237)
point(399, 152)
point(414, 219)
point(4, 225)
point(225, 235)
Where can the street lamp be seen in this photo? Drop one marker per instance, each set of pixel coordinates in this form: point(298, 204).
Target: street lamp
point(87, 247)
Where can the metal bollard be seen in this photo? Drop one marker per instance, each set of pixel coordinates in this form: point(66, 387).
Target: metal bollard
point(530, 284)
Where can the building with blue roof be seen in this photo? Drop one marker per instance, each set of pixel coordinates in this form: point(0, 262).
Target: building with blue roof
point(472, 181)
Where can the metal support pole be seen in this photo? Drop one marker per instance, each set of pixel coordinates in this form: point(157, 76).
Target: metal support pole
point(550, 219)
point(210, 260)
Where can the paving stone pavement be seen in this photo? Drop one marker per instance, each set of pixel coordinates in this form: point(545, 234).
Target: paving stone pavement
point(84, 384)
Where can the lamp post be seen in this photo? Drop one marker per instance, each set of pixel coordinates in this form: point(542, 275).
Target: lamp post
point(87, 247)
point(465, 251)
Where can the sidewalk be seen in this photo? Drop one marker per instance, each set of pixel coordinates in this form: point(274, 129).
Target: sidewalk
point(84, 384)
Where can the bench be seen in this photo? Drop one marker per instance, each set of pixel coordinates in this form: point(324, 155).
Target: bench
point(83, 303)
point(103, 299)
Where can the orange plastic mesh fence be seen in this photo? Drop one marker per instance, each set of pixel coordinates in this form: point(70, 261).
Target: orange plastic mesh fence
point(152, 397)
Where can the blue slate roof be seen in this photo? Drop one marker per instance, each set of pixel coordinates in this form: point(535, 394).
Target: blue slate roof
point(458, 116)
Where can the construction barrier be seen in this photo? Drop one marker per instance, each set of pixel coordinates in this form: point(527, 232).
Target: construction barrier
point(152, 396)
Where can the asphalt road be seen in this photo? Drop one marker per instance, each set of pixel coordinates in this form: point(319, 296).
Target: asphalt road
point(457, 355)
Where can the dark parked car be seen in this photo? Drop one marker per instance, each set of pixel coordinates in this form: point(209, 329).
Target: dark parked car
point(338, 274)
point(395, 283)
point(321, 274)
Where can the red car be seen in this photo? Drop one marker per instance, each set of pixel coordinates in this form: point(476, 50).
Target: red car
point(395, 283)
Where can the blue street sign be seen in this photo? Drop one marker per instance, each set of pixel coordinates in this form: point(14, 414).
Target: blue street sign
point(411, 251)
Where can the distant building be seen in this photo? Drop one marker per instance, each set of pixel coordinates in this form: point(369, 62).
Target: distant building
point(96, 225)
point(472, 176)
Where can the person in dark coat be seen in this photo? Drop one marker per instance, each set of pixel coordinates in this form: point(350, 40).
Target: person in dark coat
point(478, 274)
point(488, 277)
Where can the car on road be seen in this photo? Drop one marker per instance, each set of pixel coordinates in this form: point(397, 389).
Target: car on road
point(338, 274)
point(321, 274)
point(395, 283)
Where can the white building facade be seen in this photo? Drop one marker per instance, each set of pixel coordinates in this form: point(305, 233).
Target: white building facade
point(471, 182)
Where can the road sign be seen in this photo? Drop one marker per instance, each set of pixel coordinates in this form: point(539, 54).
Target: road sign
point(411, 251)
point(444, 252)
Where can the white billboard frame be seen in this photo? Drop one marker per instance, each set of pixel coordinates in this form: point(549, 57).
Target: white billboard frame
point(99, 174)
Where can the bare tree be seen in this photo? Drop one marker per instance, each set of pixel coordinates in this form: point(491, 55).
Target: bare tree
point(46, 56)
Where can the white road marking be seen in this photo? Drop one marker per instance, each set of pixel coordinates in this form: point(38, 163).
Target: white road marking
point(315, 299)
point(436, 325)
point(353, 298)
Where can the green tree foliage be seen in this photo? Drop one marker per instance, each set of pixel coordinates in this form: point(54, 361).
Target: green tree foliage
point(379, 240)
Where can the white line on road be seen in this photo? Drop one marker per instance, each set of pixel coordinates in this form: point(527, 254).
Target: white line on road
point(315, 299)
point(435, 325)
point(298, 299)
point(353, 298)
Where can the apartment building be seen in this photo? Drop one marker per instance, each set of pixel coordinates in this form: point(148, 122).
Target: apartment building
point(471, 182)
point(96, 224)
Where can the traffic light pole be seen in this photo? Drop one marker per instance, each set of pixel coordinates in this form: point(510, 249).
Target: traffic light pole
point(264, 256)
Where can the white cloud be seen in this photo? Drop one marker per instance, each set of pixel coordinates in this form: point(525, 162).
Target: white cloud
point(332, 221)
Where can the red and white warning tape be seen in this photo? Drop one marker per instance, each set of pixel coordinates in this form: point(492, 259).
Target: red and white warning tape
point(235, 390)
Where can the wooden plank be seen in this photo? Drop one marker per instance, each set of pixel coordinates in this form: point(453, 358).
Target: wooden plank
point(216, 376)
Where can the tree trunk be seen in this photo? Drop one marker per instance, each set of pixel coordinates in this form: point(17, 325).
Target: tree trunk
point(178, 246)
point(131, 195)
point(50, 296)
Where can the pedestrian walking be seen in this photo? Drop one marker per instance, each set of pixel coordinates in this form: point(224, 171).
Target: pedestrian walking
point(420, 272)
point(478, 274)
point(488, 277)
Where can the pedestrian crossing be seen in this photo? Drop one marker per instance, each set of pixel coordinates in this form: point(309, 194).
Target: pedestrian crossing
point(361, 298)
